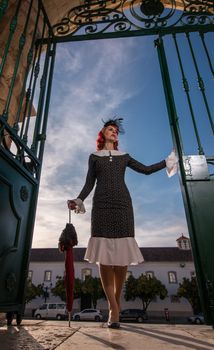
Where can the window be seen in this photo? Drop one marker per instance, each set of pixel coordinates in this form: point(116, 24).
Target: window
point(192, 274)
point(149, 274)
point(174, 299)
point(128, 274)
point(180, 244)
point(172, 277)
point(52, 306)
point(30, 275)
point(186, 244)
point(86, 273)
point(89, 311)
point(47, 276)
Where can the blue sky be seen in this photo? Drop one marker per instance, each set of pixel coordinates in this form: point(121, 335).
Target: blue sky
point(96, 80)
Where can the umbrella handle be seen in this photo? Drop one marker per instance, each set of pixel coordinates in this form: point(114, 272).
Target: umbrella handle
point(69, 216)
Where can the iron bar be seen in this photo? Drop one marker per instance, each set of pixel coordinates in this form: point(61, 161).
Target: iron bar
point(176, 137)
point(171, 108)
point(127, 34)
point(200, 83)
point(34, 71)
point(3, 8)
point(29, 61)
point(43, 84)
point(46, 19)
point(22, 41)
point(28, 96)
point(13, 25)
point(11, 132)
point(186, 89)
point(52, 53)
point(207, 52)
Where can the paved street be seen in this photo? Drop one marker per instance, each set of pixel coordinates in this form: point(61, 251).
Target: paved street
point(50, 335)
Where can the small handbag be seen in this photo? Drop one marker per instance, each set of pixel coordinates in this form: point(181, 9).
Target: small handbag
point(68, 237)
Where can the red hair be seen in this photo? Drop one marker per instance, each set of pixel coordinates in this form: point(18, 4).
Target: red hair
point(100, 142)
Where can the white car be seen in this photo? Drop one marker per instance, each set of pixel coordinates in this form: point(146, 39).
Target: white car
point(88, 314)
point(51, 310)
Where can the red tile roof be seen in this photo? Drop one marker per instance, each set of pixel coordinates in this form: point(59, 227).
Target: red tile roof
point(182, 237)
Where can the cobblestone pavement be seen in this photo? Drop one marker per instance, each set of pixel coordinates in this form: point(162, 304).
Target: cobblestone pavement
point(50, 335)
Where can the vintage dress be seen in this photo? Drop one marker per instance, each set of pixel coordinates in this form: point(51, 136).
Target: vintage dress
point(112, 221)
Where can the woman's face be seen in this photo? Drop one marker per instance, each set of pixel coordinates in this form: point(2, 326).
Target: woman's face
point(110, 133)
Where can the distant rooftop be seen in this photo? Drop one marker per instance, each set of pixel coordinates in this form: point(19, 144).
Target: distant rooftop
point(152, 254)
point(182, 237)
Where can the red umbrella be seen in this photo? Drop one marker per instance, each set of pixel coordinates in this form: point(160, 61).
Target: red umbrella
point(69, 280)
point(67, 240)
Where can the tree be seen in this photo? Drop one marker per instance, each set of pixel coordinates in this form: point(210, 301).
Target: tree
point(77, 288)
point(130, 288)
point(189, 289)
point(93, 286)
point(59, 289)
point(32, 291)
point(144, 288)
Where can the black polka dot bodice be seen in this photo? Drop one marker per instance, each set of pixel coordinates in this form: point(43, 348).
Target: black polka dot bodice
point(112, 212)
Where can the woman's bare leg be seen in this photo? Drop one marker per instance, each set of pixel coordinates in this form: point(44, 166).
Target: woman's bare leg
point(107, 275)
point(119, 279)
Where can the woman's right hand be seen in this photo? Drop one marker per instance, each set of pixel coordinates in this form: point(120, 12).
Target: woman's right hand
point(71, 205)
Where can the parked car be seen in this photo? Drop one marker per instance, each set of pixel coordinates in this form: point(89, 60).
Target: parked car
point(133, 315)
point(51, 310)
point(88, 314)
point(198, 319)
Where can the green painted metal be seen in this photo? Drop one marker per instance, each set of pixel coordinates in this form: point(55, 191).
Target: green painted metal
point(29, 62)
point(31, 91)
point(186, 89)
point(198, 195)
point(22, 41)
point(20, 166)
point(13, 25)
point(200, 83)
point(3, 7)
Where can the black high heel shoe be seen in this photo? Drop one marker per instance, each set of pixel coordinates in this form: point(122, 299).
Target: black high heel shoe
point(113, 325)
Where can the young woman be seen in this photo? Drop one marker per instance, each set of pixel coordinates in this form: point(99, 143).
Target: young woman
point(112, 244)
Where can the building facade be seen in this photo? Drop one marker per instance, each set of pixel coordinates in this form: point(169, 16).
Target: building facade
point(168, 264)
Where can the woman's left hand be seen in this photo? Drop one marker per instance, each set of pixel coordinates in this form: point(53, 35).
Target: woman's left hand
point(172, 163)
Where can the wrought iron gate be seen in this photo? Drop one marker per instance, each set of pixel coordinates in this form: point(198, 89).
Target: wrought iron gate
point(196, 169)
point(25, 80)
point(20, 169)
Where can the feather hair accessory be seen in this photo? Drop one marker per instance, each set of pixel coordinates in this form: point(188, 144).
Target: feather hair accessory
point(115, 122)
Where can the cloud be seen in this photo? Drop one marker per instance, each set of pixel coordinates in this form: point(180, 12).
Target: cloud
point(87, 87)
point(162, 235)
point(95, 80)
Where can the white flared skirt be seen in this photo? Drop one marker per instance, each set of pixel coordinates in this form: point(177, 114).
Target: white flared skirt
point(113, 251)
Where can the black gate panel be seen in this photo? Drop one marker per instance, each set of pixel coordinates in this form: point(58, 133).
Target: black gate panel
point(18, 198)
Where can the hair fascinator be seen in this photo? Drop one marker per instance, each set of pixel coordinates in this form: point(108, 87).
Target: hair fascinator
point(115, 122)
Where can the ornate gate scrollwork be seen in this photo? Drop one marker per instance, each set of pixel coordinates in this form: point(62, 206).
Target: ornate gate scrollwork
point(147, 16)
